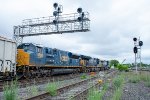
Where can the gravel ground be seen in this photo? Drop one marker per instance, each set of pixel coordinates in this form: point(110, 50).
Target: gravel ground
point(136, 91)
point(131, 91)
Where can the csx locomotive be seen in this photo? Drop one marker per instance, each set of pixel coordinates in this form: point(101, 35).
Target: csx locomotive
point(34, 60)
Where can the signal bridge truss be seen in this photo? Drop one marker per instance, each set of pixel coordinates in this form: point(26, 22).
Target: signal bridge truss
point(68, 23)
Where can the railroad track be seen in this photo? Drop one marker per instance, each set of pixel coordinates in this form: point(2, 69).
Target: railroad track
point(71, 91)
point(82, 94)
point(37, 81)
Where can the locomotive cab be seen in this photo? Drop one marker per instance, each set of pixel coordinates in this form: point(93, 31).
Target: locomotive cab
point(29, 55)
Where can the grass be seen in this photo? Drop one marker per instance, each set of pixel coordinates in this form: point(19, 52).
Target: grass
point(118, 83)
point(117, 94)
point(145, 77)
point(51, 88)
point(83, 76)
point(142, 76)
point(134, 79)
point(10, 91)
point(95, 94)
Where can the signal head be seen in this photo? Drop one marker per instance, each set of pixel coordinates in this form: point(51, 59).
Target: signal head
point(59, 9)
point(135, 49)
point(79, 19)
point(140, 43)
point(55, 21)
point(55, 5)
point(79, 10)
point(55, 13)
point(135, 39)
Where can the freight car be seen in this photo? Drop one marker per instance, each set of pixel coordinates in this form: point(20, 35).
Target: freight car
point(7, 58)
point(34, 60)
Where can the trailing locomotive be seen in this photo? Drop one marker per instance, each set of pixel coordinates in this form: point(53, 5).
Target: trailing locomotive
point(34, 60)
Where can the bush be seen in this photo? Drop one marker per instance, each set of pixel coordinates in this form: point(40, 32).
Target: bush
point(122, 67)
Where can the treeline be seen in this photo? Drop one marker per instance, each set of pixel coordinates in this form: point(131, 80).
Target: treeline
point(119, 66)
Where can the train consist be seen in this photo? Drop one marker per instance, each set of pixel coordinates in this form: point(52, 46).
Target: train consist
point(35, 61)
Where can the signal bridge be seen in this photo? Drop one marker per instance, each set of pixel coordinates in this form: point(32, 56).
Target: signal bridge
point(57, 24)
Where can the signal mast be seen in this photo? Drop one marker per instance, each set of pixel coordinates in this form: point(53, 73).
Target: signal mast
point(56, 24)
point(137, 46)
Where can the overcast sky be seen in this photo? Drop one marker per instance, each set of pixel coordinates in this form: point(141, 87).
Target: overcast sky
point(114, 23)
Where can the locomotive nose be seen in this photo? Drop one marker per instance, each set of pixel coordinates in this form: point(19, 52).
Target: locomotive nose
point(22, 57)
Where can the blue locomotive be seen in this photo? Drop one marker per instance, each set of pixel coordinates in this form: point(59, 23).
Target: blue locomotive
point(35, 60)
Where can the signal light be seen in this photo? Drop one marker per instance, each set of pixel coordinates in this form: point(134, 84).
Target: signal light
point(59, 9)
point(79, 19)
point(134, 39)
point(55, 21)
point(55, 13)
point(55, 5)
point(135, 49)
point(140, 43)
point(79, 10)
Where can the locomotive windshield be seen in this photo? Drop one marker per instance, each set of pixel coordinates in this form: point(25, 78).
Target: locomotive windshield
point(26, 47)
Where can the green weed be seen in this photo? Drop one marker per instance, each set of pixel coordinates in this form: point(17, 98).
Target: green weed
point(10, 91)
point(117, 82)
point(83, 76)
point(96, 94)
point(117, 94)
point(51, 88)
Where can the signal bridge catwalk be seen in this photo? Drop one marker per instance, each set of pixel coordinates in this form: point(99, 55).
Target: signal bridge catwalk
point(67, 23)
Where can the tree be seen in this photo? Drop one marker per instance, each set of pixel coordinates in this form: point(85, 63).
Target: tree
point(114, 63)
